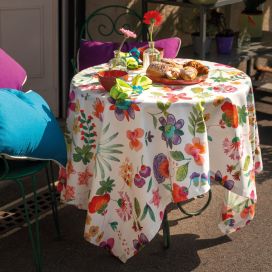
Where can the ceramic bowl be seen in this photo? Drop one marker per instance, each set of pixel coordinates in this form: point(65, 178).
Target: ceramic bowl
point(108, 78)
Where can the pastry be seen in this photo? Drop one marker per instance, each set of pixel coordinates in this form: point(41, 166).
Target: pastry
point(173, 73)
point(188, 73)
point(201, 69)
point(171, 62)
point(158, 69)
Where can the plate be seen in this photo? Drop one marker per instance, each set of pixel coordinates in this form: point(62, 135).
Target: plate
point(168, 81)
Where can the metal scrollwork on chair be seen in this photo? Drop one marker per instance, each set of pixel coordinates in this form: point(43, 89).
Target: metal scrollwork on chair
point(126, 17)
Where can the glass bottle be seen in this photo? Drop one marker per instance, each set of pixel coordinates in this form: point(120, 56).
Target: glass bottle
point(150, 54)
point(117, 63)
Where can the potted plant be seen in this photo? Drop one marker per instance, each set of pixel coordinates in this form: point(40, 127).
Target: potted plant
point(225, 36)
point(192, 26)
point(252, 18)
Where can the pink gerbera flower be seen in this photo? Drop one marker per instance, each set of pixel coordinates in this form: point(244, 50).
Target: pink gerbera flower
point(127, 33)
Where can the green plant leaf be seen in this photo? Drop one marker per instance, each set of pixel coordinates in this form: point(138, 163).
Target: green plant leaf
point(168, 187)
point(137, 207)
point(155, 121)
point(151, 213)
point(177, 155)
point(246, 163)
point(149, 185)
point(182, 172)
point(114, 225)
point(144, 212)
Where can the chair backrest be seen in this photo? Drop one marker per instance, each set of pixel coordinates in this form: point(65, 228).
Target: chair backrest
point(12, 74)
point(108, 20)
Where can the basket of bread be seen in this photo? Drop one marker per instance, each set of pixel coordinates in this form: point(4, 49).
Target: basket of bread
point(168, 71)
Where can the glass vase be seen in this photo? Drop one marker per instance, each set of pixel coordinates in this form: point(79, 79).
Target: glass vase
point(117, 63)
point(150, 54)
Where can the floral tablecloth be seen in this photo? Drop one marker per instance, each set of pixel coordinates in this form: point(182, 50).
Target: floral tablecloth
point(127, 160)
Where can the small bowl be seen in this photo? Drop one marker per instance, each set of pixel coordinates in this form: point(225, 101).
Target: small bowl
point(108, 78)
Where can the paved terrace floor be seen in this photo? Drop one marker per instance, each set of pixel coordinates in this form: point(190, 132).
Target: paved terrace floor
point(196, 242)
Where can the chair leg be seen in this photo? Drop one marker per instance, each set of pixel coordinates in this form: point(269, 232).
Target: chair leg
point(54, 202)
point(35, 240)
point(166, 231)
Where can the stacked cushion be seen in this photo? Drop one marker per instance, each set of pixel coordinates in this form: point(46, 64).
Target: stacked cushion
point(12, 74)
point(28, 128)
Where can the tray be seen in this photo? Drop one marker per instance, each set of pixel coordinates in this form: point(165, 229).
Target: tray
point(168, 81)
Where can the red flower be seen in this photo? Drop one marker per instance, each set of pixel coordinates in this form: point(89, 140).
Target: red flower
point(152, 17)
point(180, 193)
point(230, 117)
point(99, 203)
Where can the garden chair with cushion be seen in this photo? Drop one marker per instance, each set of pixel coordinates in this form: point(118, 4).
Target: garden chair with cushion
point(30, 139)
point(101, 29)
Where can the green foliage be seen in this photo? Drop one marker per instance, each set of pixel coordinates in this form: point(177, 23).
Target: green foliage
point(106, 186)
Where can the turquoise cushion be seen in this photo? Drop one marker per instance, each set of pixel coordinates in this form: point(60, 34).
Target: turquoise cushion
point(28, 127)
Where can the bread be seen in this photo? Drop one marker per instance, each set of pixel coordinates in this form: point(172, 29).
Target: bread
point(173, 73)
point(171, 62)
point(188, 73)
point(201, 69)
point(157, 69)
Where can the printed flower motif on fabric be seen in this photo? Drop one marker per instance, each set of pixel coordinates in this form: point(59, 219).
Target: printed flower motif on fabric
point(223, 88)
point(196, 149)
point(73, 105)
point(233, 115)
point(134, 138)
point(106, 152)
point(161, 167)
point(196, 119)
point(88, 135)
point(83, 177)
point(124, 209)
point(233, 148)
point(223, 180)
point(99, 202)
point(126, 171)
point(140, 242)
point(124, 108)
point(171, 130)
point(98, 107)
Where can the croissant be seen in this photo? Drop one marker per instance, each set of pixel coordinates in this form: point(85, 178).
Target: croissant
point(201, 69)
point(188, 73)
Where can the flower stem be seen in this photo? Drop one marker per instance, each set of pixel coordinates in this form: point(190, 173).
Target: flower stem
point(151, 34)
point(122, 44)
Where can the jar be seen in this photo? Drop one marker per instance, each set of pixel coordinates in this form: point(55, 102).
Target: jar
point(117, 63)
point(150, 54)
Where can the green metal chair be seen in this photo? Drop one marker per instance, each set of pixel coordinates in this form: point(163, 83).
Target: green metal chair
point(187, 210)
point(18, 169)
point(104, 24)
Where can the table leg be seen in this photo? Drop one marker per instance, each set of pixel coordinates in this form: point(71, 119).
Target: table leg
point(203, 29)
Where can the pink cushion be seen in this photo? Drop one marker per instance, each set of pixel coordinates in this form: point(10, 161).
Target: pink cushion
point(94, 53)
point(12, 74)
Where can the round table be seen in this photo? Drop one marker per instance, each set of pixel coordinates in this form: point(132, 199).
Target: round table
point(127, 160)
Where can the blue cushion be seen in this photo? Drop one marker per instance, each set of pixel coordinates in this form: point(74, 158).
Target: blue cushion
point(28, 128)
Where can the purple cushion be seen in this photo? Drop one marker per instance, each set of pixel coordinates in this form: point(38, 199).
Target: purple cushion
point(94, 53)
point(12, 74)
